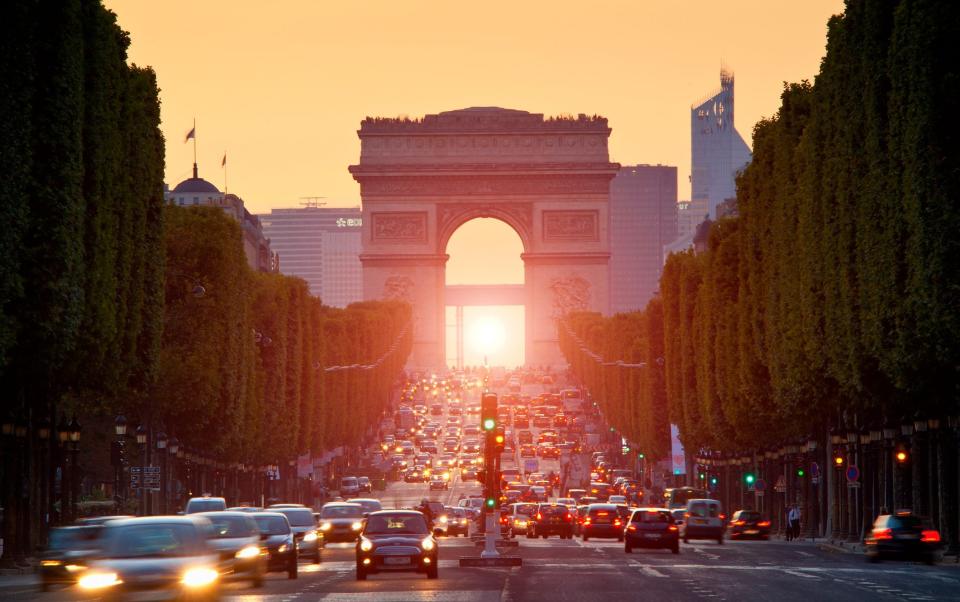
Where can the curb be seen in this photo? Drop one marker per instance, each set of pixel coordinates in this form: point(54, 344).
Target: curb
point(840, 549)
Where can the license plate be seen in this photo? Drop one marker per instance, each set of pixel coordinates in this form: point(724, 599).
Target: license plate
point(652, 535)
point(751, 532)
point(699, 521)
point(396, 560)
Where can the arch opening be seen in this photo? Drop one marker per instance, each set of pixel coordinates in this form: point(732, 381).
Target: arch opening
point(484, 278)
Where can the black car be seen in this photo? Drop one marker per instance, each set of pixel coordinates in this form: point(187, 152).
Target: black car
point(651, 528)
point(277, 538)
point(341, 521)
point(66, 554)
point(397, 540)
point(602, 520)
point(745, 524)
point(551, 519)
point(902, 535)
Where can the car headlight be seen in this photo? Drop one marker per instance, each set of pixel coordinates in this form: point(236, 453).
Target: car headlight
point(326, 526)
point(443, 518)
point(98, 580)
point(283, 548)
point(200, 576)
point(248, 552)
point(49, 563)
point(310, 536)
point(446, 476)
point(427, 544)
point(366, 545)
point(75, 568)
point(356, 526)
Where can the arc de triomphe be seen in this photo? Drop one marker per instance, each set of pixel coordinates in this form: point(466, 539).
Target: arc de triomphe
point(549, 179)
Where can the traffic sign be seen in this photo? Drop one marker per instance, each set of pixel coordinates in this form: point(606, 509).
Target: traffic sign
point(853, 473)
point(759, 485)
point(151, 478)
point(781, 485)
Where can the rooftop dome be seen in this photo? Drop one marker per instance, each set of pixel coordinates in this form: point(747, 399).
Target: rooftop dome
point(196, 185)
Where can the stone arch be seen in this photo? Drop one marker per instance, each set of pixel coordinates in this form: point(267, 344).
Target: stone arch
point(458, 215)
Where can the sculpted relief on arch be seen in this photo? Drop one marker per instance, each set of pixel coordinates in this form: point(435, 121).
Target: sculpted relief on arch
point(570, 294)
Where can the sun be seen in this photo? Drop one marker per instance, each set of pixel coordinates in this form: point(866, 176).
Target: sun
point(487, 335)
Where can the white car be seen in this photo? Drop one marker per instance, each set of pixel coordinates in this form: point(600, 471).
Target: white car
point(349, 487)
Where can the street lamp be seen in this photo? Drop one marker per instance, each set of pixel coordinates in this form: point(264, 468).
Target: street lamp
point(141, 434)
point(162, 448)
point(142, 442)
point(74, 434)
point(120, 426)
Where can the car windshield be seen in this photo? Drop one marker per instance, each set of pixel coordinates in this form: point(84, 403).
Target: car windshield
point(368, 505)
point(396, 524)
point(752, 516)
point(272, 525)
point(298, 517)
point(210, 505)
point(703, 510)
point(341, 512)
point(651, 516)
point(231, 526)
point(74, 537)
point(153, 540)
point(553, 510)
point(905, 522)
point(349, 482)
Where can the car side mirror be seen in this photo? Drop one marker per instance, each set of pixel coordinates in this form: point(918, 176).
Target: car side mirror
point(438, 532)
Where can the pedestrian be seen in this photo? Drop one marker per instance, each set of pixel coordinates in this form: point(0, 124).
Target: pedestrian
point(793, 523)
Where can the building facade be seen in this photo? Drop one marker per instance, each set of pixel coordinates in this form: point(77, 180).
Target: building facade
point(718, 151)
point(643, 218)
point(197, 192)
point(322, 246)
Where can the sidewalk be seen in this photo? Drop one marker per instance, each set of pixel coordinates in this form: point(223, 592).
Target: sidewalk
point(847, 547)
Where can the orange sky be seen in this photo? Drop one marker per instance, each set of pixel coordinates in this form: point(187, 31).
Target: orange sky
point(282, 86)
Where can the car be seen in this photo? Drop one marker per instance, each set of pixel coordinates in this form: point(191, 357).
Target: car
point(903, 535)
point(247, 509)
point(528, 451)
point(204, 504)
point(540, 421)
point(567, 501)
point(651, 528)
point(276, 537)
point(600, 490)
point(237, 539)
point(520, 516)
point(66, 554)
point(703, 519)
point(365, 485)
point(397, 540)
point(156, 556)
point(368, 504)
point(677, 514)
point(438, 482)
point(538, 493)
point(349, 486)
point(455, 521)
point(413, 475)
point(429, 446)
point(551, 519)
point(602, 520)
point(748, 523)
point(436, 409)
point(576, 494)
point(305, 534)
point(99, 521)
point(341, 521)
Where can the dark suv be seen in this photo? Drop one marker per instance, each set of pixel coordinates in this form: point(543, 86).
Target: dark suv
point(902, 535)
point(551, 519)
point(748, 523)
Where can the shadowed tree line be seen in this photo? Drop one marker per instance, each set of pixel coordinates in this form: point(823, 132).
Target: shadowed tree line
point(823, 321)
point(112, 303)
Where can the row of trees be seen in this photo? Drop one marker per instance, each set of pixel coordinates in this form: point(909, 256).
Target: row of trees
point(113, 304)
point(828, 310)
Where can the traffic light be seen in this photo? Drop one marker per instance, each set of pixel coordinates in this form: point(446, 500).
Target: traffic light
point(490, 503)
point(902, 456)
point(749, 478)
point(702, 476)
point(640, 456)
point(800, 472)
point(713, 481)
point(499, 439)
point(488, 412)
point(838, 461)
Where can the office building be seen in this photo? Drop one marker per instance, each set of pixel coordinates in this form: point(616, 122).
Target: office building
point(643, 218)
point(322, 246)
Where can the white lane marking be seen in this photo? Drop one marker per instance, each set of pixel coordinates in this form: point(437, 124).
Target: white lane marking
point(802, 553)
point(417, 596)
point(647, 570)
point(800, 574)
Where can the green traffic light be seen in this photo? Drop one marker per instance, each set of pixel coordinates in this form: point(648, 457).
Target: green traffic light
point(491, 502)
point(749, 478)
point(489, 424)
point(702, 476)
point(640, 455)
point(800, 472)
point(713, 480)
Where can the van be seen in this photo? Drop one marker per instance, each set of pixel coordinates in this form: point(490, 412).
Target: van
point(349, 486)
point(703, 519)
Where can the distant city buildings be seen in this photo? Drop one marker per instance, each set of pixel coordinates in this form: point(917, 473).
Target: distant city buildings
point(643, 218)
point(718, 152)
point(322, 246)
point(198, 192)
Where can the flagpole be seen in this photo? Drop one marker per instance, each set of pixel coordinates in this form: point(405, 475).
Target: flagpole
point(225, 187)
point(194, 143)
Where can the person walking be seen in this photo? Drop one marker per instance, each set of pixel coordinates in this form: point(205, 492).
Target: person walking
point(793, 523)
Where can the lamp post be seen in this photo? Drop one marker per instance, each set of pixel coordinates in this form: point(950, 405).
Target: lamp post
point(120, 429)
point(162, 453)
point(142, 437)
point(173, 446)
point(75, 472)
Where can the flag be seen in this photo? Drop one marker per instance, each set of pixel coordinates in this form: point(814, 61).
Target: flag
point(192, 134)
point(223, 163)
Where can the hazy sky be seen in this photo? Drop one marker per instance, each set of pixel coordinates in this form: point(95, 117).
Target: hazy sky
point(282, 86)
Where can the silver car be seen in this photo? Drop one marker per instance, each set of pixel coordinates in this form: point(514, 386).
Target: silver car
point(237, 539)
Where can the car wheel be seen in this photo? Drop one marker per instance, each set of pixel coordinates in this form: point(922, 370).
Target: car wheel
point(530, 535)
point(292, 569)
point(361, 574)
point(627, 548)
point(544, 536)
point(316, 557)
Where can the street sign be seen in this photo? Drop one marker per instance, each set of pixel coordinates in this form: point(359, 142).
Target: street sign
point(853, 473)
point(853, 484)
point(759, 486)
point(151, 478)
point(781, 485)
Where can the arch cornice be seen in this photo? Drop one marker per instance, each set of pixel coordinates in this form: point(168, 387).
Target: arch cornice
point(450, 216)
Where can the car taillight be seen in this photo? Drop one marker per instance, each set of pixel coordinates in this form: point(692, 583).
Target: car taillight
point(586, 521)
point(739, 523)
point(930, 536)
point(763, 523)
point(616, 522)
point(686, 515)
point(672, 528)
point(568, 517)
point(723, 517)
point(539, 516)
point(882, 534)
point(632, 528)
